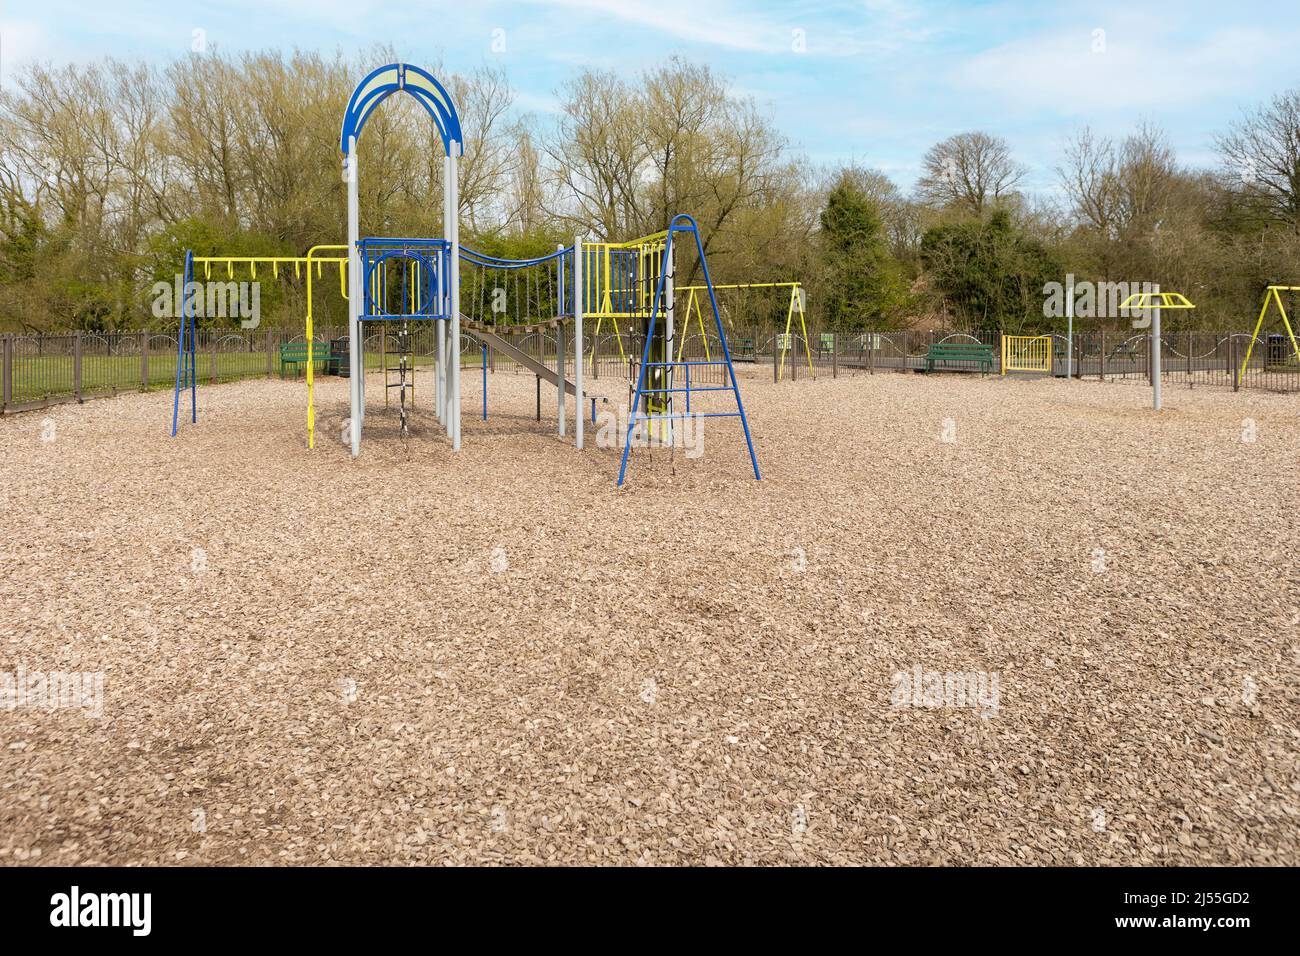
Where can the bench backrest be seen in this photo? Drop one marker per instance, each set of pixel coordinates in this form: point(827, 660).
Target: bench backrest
point(295, 349)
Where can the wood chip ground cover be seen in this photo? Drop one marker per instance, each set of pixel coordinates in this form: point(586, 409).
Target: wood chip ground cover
point(496, 657)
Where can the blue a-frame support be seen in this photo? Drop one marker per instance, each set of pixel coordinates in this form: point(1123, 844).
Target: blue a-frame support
point(683, 223)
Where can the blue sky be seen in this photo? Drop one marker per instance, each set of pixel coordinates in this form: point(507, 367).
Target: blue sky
point(871, 81)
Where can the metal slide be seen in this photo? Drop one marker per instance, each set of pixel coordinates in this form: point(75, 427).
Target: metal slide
point(523, 358)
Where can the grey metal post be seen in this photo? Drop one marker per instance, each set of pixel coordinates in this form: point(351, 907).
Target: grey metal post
point(144, 361)
point(577, 338)
point(7, 395)
point(355, 293)
point(1069, 327)
point(440, 331)
point(453, 191)
point(76, 365)
point(670, 340)
point(1155, 358)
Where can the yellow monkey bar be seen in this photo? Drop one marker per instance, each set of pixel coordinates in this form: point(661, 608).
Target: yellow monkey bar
point(298, 262)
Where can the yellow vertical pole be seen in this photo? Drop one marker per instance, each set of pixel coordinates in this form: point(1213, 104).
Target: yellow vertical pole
point(311, 379)
point(1286, 322)
point(785, 344)
point(1268, 297)
point(796, 299)
point(607, 304)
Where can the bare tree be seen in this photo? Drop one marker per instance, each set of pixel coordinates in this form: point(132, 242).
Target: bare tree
point(1262, 154)
point(969, 171)
point(1122, 196)
point(527, 189)
point(484, 101)
point(597, 155)
point(1089, 175)
point(1146, 177)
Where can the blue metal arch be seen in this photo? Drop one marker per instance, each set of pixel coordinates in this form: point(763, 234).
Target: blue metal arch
point(429, 293)
point(382, 83)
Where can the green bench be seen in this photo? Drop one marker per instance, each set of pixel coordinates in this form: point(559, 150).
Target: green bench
point(965, 352)
point(295, 354)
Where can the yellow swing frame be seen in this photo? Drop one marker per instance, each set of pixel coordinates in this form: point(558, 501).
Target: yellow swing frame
point(1273, 294)
point(693, 309)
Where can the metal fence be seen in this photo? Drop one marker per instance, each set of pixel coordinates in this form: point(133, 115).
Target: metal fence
point(41, 370)
point(1196, 358)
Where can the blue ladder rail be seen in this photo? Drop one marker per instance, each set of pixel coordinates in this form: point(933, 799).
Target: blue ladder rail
point(684, 223)
point(186, 371)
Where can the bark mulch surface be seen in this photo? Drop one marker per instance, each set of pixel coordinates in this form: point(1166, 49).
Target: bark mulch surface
point(421, 657)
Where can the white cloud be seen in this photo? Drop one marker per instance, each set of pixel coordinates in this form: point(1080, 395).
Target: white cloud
point(537, 102)
point(1140, 67)
point(21, 41)
point(690, 21)
point(879, 26)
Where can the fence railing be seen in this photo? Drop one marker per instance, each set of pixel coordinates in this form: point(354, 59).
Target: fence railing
point(1196, 358)
point(41, 370)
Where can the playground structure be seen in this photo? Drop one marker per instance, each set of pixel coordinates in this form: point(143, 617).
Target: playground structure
point(627, 287)
point(405, 280)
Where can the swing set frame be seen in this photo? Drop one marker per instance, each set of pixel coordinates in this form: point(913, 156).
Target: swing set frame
point(1273, 294)
point(697, 293)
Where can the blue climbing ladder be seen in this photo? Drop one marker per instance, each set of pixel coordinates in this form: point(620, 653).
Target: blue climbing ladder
point(664, 378)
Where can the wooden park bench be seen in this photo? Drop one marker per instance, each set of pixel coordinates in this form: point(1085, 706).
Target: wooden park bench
point(295, 354)
point(964, 352)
